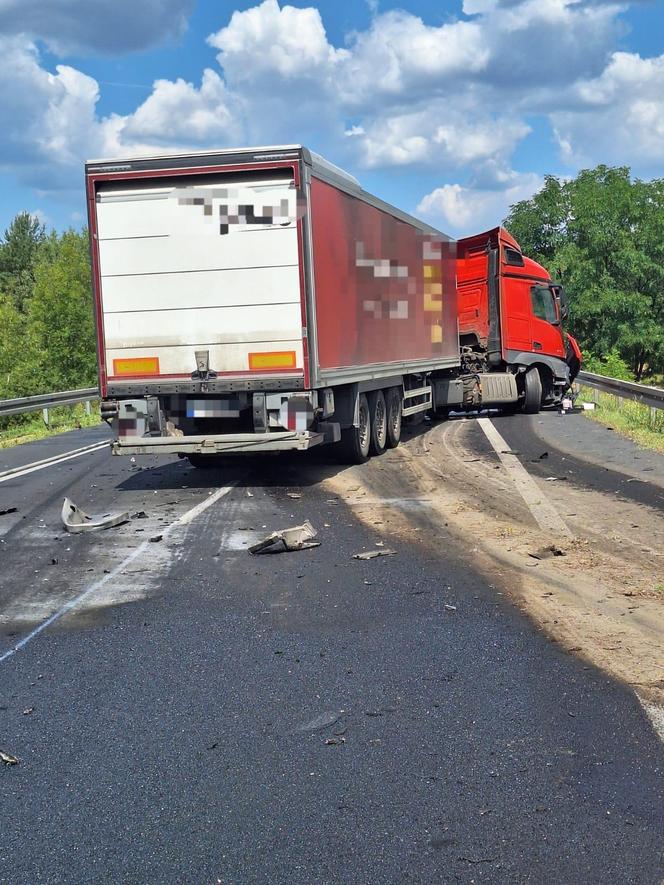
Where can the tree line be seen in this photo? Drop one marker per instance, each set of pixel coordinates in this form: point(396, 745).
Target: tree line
point(600, 234)
point(47, 340)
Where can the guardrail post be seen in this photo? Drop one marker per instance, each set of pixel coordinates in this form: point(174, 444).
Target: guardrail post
point(87, 407)
point(653, 416)
point(45, 416)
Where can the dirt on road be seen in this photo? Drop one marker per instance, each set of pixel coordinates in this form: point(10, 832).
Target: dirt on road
point(599, 594)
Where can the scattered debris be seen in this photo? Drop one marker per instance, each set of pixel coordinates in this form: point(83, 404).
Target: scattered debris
point(450, 608)
point(76, 520)
point(547, 552)
point(372, 554)
point(326, 719)
point(28, 711)
point(293, 495)
point(299, 537)
point(543, 456)
point(588, 407)
point(156, 538)
point(140, 514)
point(7, 510)
point(555, 479)
point(509, 452)
point(335, 741)
point(8, 759)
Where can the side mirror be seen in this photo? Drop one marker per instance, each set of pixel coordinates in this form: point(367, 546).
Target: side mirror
point(561, 298)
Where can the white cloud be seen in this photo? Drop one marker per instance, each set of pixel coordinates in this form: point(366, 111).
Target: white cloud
point(269, 41)
point(400, 56)
point(464, 210)
point(618, 117)
point(440, 135)
point(178, 112)
point(106, 26)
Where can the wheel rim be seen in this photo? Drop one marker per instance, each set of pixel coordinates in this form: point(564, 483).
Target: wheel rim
point(364, 427)
point(380, 422)
point(395, 416)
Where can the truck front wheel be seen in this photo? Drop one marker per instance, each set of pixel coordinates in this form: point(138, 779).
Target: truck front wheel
point(532, 402)
point(356, 441)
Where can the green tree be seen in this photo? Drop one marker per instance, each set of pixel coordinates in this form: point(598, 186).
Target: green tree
point(19, 254)
point(60, 318)
point(602, 235)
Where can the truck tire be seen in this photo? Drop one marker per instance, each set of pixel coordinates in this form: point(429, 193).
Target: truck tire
point(393, 408)
point(378, 411)
point(356, 441)
point(532, 402)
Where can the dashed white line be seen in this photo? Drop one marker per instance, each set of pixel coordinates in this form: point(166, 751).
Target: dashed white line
point(545, 514)
point(16, 472)
point(185, 519)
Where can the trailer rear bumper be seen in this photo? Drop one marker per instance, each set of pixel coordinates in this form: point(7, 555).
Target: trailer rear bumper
point(219, 444)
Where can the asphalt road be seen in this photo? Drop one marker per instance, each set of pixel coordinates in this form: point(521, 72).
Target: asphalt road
point(209, 717)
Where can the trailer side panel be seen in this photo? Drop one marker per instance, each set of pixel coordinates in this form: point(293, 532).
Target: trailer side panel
point(385, 292)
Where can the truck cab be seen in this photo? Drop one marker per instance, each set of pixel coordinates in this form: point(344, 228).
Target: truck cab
point(511, 316)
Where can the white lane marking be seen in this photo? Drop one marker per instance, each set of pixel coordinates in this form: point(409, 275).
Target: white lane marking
point(185, 519)
point(545, 514)
point(16, 472)
point(656, 716)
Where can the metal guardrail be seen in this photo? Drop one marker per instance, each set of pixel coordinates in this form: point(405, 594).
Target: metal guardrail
point(47, 401)
point(642, 393)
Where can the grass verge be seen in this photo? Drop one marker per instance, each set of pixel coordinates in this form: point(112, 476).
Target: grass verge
point(627, 417)
point(27, 428)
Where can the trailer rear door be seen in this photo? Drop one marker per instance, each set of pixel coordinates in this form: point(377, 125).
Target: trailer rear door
point(187, 266)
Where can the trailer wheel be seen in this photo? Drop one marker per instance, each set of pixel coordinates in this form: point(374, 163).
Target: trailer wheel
point(378, 411)
point(393, 407)
point(532, 402)
point(356, 441)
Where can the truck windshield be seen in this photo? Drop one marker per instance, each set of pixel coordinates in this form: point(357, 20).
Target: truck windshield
point(544, 305)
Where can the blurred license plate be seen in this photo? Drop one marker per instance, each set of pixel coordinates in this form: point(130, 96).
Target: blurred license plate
point(213, 408)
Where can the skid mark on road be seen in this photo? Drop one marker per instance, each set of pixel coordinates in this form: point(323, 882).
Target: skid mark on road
point(545, 514)
point(97, 586)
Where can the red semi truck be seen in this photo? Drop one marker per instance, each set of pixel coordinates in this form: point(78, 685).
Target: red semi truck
point(260, 300)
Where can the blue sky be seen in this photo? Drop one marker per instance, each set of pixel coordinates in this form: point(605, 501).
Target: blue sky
point(451, 110)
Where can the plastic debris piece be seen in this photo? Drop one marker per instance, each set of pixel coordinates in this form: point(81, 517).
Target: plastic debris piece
point(8, 759)
point(324, 720)
point(450, 608)
point(140, 514)
point(299, 537)
point(76, 520)
point(335, 741)
point(156, 538)
point(293, 495)
point(372, 554)
point(588, 407)
point(7, 510)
